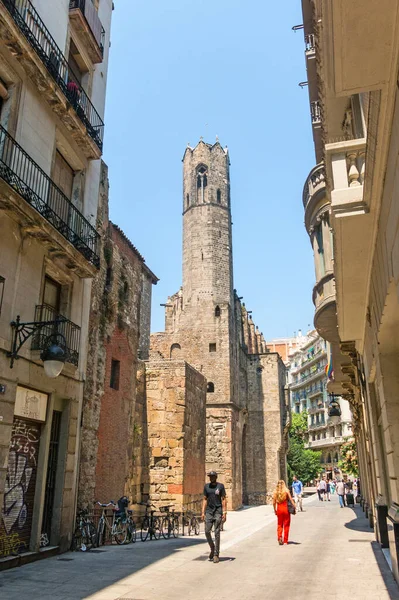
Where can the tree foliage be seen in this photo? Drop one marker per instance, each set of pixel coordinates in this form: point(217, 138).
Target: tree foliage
point(349, 462)
point(302, 462)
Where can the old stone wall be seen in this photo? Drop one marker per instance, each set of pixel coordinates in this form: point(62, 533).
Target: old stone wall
point(109, 426)
point(266, 444)
point(176, 395)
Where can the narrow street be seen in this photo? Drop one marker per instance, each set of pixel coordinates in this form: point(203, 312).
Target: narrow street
point(331, 555)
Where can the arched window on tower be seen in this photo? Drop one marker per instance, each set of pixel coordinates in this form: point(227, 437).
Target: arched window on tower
point(210, 388)
point(187, 200)
point(219, 197)
point(217, 311)
point(175, 350)
point(202, 184)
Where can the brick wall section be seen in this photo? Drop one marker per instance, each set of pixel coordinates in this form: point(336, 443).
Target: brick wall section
point(116, 315)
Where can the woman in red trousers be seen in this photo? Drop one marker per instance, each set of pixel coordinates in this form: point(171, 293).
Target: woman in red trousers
point(280, 497)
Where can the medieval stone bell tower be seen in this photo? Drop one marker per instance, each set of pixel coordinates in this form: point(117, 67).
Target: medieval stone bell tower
point(206, 326)
point(207, 245)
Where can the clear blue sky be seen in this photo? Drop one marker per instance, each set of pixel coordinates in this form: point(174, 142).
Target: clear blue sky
point(180, 69)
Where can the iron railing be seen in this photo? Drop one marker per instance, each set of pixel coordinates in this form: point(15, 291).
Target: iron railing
point(310, 42)
point(33, 28)
point(26, 177)
point(70, 331)
point(315, 112)
point(90, 14)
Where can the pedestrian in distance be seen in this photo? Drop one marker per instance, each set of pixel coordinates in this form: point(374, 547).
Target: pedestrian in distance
point(322, 489)
point(328, 490)
point(332, 487)
point(341, 493)
point(214, 512)
point(297, 490)
point(281, 500)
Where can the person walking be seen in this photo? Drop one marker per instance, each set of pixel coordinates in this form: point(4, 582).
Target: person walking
point(297, 489)
point(328, 490)
point(281, 497)
point(322, 489)
point(341, 493)
point(214, 511)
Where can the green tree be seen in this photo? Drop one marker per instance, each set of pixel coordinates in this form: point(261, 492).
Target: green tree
point(349, 462)
point(302, 462)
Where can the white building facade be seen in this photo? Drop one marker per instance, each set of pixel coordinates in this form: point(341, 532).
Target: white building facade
point(308, 391)
point(53, 75)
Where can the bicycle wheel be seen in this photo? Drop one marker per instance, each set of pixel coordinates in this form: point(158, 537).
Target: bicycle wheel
point(175, 527)
point(145, 529)
point(190, 528)
point(131, 532)
point(156, 528)
point(196, 526)
point(119, 532)
point(100, 533)
point(91, 535)
point(76, 540)
point(165, 527)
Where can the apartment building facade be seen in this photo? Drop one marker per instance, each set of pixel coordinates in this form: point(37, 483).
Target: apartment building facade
point(53, 74)
point(351, 214)
point(308, 390)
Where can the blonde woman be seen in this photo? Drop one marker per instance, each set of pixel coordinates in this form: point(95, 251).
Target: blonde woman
point(280, 504)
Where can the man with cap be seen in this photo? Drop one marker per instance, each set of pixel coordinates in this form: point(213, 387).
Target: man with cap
point(214, 511)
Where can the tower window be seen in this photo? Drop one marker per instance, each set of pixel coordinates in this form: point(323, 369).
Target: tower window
point(202, 184)
point(175, 350)
point(219, 196)
point(210, 388)
point(217, 311)
point(187, 200)
point(115, 372)
point(212, 347)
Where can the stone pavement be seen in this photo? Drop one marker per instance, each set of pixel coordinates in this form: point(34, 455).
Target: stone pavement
point(332, 555)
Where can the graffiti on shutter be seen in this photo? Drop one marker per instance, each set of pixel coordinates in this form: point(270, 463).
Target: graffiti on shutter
point(17, 510)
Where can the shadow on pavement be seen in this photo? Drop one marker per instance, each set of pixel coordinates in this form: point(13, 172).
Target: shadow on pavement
point(359, 522)
point(78, 575)
point(386, 573)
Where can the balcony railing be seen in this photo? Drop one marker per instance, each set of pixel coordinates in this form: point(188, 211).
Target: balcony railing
point(33, 28)
point(33, 185)
point(69, 330)
point(90, 14)
point(315, 112)
point(310, 43)
point(315, 181)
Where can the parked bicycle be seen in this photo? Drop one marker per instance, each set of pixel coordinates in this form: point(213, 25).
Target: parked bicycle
point(130, 528)
point(151, 524)
point(193, 524)
point(115, 526)
point(85, 534)
point(170, 522)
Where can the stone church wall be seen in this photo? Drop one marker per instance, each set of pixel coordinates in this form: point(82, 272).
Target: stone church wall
point(176, 395)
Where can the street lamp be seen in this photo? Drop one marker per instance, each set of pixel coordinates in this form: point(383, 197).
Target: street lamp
point(334, 409)
point(54, 353)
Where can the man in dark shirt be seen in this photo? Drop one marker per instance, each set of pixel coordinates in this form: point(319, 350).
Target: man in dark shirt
point(214, 510)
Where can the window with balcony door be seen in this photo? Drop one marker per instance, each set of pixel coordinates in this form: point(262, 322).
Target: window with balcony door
point(320, 247)
point(52, 294)
point(80, 70)
point(63, 175)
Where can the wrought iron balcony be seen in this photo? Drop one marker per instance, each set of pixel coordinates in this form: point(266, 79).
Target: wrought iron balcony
point(69, 330)
point(33, 28)
point(315, 112)
point(310, 43)
point(33, 185)
point(84, 16)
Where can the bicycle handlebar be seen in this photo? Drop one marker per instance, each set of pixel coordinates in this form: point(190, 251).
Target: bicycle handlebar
point(112, 503)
